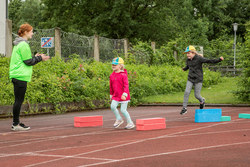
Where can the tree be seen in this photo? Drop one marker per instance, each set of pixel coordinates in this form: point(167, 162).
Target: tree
point(13, 13)
point(133, 19)
point(243, 91)
point(30, 12)
point(221, 14)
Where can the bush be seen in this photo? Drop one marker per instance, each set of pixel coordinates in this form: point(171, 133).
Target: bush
point(142, 53)
point(56, 81)
point(243, 91)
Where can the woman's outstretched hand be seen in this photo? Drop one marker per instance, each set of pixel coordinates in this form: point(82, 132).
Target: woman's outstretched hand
point(44, 57)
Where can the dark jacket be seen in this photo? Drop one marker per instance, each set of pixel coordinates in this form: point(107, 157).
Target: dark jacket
point(194, 65)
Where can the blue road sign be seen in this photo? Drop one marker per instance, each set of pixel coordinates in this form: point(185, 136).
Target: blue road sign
point(47, 42)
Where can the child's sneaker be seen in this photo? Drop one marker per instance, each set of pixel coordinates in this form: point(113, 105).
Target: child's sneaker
point(118, 123)
point(20, 127)
point(183, 111)
point(202, 104)
point(130, 126)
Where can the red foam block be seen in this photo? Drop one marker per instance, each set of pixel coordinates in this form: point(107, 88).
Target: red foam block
point(150, 121)
point(96, 118)
point(88, 124)
point(151, 126)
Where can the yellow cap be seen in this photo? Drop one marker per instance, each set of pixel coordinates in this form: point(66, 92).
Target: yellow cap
point(189, 48)
point(117, 60)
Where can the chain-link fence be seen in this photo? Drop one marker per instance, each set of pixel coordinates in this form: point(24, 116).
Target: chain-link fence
point(84, 46)
point(35, 42)
point(110, 48)
point(72, 43)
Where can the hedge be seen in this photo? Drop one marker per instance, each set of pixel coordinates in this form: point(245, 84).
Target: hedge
point(57, 81)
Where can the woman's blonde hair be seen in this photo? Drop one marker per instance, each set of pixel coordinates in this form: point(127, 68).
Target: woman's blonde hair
point(198, 53)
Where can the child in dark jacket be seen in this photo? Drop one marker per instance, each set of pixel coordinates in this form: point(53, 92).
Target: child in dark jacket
point(119, 92)
point(195, 76)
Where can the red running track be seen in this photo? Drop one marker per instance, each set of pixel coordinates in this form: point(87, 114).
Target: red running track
point(54, 141)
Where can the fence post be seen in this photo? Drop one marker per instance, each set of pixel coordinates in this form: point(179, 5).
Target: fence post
point(96, 48)
point(58, 41)
point(201, 48)
point(153, 46)
point(126, 48)
point(8, 39)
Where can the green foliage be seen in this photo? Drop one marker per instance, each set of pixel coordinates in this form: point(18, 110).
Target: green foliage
point(243, 91)
point(13, 13)
point(196, 21)
point(220, 15)
point(28, 11)
point(212, 93)
point(57, 81)
point(142, 53)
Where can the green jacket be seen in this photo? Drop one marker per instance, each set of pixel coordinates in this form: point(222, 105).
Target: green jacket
point(21, 52)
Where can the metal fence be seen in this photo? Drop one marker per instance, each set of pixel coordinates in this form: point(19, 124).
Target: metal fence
point(35, 42)
point(84, 46)
point(72, 43)
point(81, 45)
point(110, 48)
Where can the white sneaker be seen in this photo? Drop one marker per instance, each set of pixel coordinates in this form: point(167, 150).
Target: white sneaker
point(20, 127)
point(130, 126)
point(118, 123)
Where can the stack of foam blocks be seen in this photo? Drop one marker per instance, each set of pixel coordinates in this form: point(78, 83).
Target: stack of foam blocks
point(150, 124)
point(88, 121)
point(208, 115)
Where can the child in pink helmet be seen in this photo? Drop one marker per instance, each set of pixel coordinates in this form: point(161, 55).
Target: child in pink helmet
point(119, 92)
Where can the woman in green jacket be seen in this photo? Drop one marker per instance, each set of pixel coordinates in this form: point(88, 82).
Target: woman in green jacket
point(21, 71)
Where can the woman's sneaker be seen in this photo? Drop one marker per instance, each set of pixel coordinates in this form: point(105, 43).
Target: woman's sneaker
point(20, 127)
point(183, 111)
point(202, 105)
point(130, 126)
point(118, 123)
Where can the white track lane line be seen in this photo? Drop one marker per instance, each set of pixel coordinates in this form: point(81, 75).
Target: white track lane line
point(168, 135)
point(121, 145)
point(168, 153)
point(63, 148)
point(43, 138)
point(52, 128)
point(65, 126)
point(32, 141)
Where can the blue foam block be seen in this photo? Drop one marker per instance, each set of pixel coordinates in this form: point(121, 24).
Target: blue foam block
point(208, 115)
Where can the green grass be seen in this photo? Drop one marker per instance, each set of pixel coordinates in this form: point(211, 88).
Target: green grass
point(215, 94)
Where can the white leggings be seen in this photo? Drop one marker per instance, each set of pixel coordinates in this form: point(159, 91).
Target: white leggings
point(124, 111)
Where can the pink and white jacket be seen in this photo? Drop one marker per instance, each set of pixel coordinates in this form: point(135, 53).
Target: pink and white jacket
point(119, 86)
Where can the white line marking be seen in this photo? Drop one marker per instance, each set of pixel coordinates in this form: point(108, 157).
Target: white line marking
point(60, 137)
point(68, 156)
point(169, 135)
point(121, 145)
point(205, 133)
point(167, 153)
point(64, 148)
